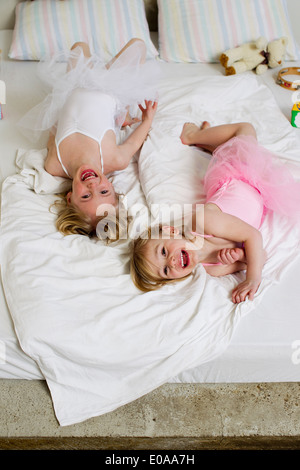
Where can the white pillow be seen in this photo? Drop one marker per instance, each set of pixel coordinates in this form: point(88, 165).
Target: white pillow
point(46, 27)
point(200, 30)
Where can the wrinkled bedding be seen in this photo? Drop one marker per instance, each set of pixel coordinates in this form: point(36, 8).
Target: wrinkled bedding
point(98, 341)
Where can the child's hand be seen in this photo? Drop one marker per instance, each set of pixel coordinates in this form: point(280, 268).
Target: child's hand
point(231, 255)
point(148, 112)
point(244, 289)
point(129, 121)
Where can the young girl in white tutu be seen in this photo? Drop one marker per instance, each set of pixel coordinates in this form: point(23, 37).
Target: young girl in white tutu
point(84, 111)
point(242, 181)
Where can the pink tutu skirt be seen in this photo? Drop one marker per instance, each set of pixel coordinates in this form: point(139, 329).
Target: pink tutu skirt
point(128, 80)
point(242, 158)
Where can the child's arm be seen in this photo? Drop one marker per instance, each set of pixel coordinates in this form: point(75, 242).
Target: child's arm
point(224, 269)
point(255, 261)
point(226, 226)
point(123, 153)
point(51, 161)
point(136, 139)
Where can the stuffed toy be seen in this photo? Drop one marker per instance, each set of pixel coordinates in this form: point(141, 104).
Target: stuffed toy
point(258, 55)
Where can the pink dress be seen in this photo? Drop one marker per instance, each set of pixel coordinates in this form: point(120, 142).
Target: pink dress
point(245, 180)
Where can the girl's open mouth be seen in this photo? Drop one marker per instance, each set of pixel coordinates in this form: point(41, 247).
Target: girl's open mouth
point(185, 259)
point(88, 174)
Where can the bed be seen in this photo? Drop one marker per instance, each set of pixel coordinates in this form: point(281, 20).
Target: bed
point(70, 316)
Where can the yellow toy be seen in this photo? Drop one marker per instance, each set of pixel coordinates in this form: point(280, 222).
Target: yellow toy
point(258, 55)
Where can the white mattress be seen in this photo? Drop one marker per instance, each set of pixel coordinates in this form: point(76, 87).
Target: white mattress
point(262, 345)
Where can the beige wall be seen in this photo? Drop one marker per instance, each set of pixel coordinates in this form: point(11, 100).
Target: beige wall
point(7, 13)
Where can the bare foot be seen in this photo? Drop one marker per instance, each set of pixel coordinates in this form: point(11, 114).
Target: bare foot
point(204, 125)
point(189, 130)
point(231, 255)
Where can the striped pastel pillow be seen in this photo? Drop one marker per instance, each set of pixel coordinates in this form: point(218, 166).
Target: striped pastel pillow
point(200, 30)
point(46, 27)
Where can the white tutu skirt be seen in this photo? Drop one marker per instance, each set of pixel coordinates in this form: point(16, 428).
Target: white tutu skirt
point(127, 79)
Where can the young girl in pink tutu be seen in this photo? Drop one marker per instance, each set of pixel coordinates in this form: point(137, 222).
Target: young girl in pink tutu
point(86, 108)
point(242, 182)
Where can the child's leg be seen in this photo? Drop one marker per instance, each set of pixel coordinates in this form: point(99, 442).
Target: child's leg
point(189, 130)
point(142, 48)
point(86, 52)
point(139, 43)
point(210, 138)
point(84, 47)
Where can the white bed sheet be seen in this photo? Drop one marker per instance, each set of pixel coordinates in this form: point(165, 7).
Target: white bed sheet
point(262, 344)
point(14, 363)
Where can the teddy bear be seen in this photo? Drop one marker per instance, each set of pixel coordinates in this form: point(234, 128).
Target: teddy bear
point(258, 55)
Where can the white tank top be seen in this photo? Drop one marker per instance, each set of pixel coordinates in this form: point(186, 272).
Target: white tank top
point(87, 112)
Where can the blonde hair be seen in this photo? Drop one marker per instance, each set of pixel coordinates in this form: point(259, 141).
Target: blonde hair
point(141, 270)
point(72, 221)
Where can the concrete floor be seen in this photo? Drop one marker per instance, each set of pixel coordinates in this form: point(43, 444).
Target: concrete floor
point(175, 416)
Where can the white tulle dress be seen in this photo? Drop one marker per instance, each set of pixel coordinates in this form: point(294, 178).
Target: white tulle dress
point(128, 80)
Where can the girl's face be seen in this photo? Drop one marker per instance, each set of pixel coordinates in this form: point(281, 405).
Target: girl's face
point(171, 258)
point(90, 190)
